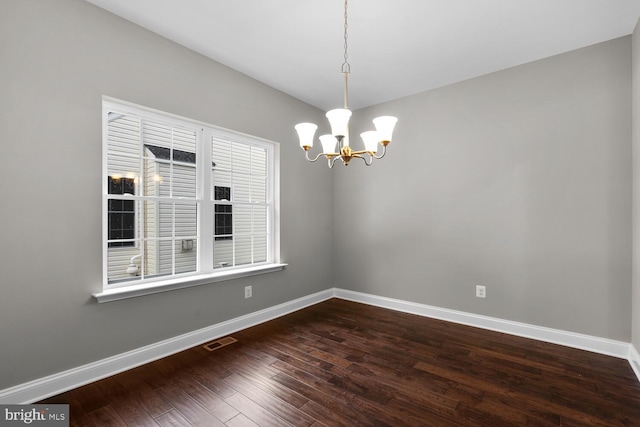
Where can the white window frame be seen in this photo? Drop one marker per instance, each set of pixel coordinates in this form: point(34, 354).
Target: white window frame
point(205, 271)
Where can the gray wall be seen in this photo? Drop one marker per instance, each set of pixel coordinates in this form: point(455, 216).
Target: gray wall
point(57, 59)
point(519, 180)
point(635, 340)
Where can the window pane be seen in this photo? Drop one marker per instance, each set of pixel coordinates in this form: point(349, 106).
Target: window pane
point(118, 261)
point(128, 205)
point(130, 174)
point(149, 217)
point(260, 233)
point(121, 227)
point(186, 256)
point(151, 257)
point(184, 145)
point(128, 220)
point(115, 185)
point(121, 185)
point(184, 181)
point(221, 154)
point(222, 193)
point(241, 187)
point(186, 220)
point(242, 220)
point(165, 220)
point(123, 144)
point(164, 257)
point(222, 253)
point(115, 222)
point(156, 134)
point(220, 178)
point(258, 161)
point(223, 227)
point(241, 158)
point(258, 188)
point(123, 133)
point(170, 160)
point(259, 248)
point(243, 250)
point(114, 205)
point(260, 220)
point(156, 178)
point(128, 186)
point(120, 221)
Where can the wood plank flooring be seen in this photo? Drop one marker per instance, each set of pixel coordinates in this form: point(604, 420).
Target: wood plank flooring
point(340, 363)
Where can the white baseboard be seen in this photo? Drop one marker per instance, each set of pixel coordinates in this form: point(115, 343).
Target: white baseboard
point(570, 339)
point(634, 360)
point(42, 388)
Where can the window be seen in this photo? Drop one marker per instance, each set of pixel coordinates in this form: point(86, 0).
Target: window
point(183, 199)
point(224, 219)
point(121, 213)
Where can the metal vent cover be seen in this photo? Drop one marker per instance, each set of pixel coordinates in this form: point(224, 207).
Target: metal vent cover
point(219, 343)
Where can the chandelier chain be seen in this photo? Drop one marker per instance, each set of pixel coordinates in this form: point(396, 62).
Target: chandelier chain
point(346, 68)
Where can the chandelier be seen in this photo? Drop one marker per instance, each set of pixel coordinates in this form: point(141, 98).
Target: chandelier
point(339, 121)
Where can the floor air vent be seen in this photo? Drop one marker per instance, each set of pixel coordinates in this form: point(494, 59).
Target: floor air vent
point(214, 345)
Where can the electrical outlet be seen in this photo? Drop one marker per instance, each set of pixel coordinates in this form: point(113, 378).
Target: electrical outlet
point(248, 292)
point(481, 291)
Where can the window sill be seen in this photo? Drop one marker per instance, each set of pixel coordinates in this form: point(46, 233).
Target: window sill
point(183, 282)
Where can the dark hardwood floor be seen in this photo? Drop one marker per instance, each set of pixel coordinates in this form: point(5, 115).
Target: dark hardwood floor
point(340, 363)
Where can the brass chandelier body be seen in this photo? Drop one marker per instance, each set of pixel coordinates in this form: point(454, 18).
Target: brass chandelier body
point(339, 120)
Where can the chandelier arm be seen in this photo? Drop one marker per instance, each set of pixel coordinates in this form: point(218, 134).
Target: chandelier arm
point(354, 153)
point(331, 161)
point(384, 151)
point(306, 154)
point(364, 159)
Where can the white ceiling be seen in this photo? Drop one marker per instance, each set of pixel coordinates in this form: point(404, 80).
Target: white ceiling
point(396, 47)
